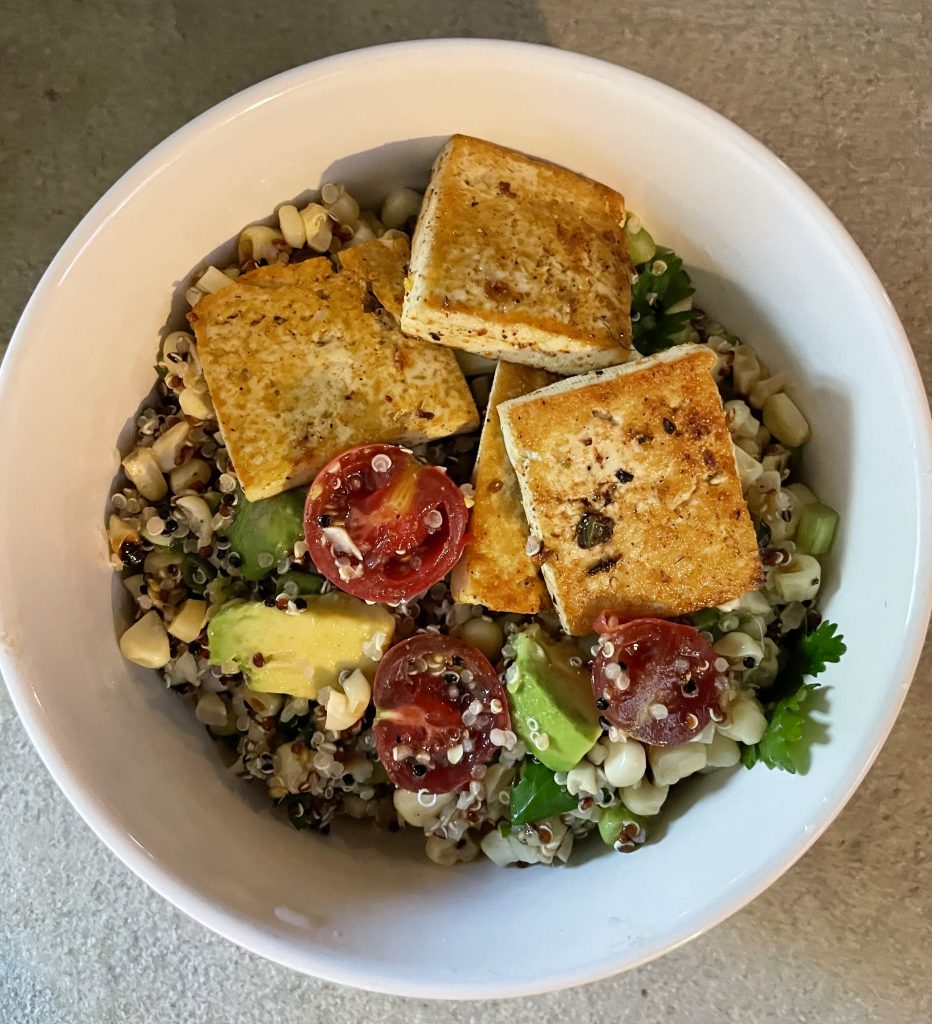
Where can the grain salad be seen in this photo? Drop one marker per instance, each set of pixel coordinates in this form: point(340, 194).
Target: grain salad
point(506, 602)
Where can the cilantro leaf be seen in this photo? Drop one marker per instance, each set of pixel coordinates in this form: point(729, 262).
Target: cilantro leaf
point(779, 747)
point(808, 656)
point(824, 644)
point(538, 795)
point(788, 702)
point(662, 282)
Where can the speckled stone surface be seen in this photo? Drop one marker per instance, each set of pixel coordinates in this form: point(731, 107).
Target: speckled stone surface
point(842, 91)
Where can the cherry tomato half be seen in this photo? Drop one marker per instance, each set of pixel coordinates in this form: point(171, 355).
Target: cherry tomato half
point(383, 526)
point(437, 702)
point(656, 680)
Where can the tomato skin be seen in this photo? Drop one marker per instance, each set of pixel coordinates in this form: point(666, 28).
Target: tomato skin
point(422, 706)
point(656, 680)
point(383, 526)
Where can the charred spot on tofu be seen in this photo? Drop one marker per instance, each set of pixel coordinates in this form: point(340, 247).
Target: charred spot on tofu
point(602, 566)
point(593, 529)
point(671, 542)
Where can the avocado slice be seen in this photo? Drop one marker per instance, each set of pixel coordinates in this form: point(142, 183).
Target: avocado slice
point(298, 654)
point(262, 532)
point(553, 695)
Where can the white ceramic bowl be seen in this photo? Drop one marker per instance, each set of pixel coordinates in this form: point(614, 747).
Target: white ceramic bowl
point(362, 908)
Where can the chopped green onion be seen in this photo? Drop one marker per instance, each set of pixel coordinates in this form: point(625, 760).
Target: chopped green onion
point(641, 247)
point(706, 619)
point(816, 531)
point(197, 573)
point(619, 825)
point(784, 420)
point(802, 494)
point(306, 582)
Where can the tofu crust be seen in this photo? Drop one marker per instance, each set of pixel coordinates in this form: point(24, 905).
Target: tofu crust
point(302, 365)
point(518, 259)
point(495, 569)
point(382, 263)
point(628, 476)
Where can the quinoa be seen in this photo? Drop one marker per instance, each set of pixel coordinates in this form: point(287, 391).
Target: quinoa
point(174, 545)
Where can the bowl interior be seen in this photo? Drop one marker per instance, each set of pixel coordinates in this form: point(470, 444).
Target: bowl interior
point(360, 907)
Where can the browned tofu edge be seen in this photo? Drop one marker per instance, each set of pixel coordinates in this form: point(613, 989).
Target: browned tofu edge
point(578, 616)
point(495, 570)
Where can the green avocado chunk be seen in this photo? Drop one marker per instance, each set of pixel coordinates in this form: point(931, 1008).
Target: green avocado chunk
point(298, 654)
point(551, 702)
point(263, 531)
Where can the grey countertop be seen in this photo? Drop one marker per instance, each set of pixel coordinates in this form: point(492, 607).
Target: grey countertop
point(842, 91)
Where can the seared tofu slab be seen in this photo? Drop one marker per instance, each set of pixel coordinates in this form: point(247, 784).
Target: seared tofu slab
point(301, 364)
point(628, 477)
point(382, 263)
point(496, 570)
point(518, 259)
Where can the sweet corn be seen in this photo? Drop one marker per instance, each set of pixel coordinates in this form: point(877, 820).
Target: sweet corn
point(746, 722)
point(670, 764)
point(144, 473)
point(625, 763)
point(741, 421)
point(119, 532)
point(746, 369)
point(198, 514)
point(581, 780)
point(211, 710)
point(799, 579)
point(483, 633)
point(167, 448)
point(189, 475)
point(749, 469)
point(400, 206)
point(414, 812)
point(784, 420)
point(213, 280)
point(346, 708)
point(445, 852)
point(722, 752)
point(264, 704)
point(196, 405)
point(186, 626)
point(260, 242)
point(146, 642)
point(644, 798)
point(762, 389)
point(292, 225)
point(737, 646)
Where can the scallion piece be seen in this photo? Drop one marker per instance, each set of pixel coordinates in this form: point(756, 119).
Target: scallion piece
point(618, 825)
point(816, 531)
point(641, 247)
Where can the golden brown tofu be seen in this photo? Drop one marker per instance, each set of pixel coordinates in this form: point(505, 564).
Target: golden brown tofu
point(495, 569)
point(300, 368)
point(382, 263)
point(518, 259)
point(628, 477)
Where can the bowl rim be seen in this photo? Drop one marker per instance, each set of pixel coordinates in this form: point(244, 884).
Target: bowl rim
point(247, 934)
